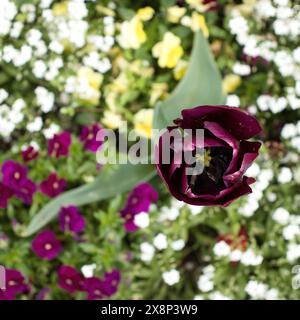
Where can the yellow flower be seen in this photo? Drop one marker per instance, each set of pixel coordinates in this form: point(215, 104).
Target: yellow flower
point(143, 123)
point(197, 4)
point(132, 34)
point(112, 120)
point(94, 79)
point(158, 90)
point(60, 9)
point(145, 13)
point(231, 82)
point(168, 51)
point(174, 13)
point(88, 85)
point(180, 69)
point(198, 22)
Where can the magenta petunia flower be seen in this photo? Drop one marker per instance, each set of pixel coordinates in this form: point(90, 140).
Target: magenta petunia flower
point(15, 284)
point(46, 246)
point(59, 145)
point(70, 279)
point(138, 201)
point(71, 220)
point(26, 191)
point(29, 154)
point(94, 288)
point(224, 156)
point(53, 185)
point(14, 175)
point(88, 137)
point(111, 282)
point(5, 195)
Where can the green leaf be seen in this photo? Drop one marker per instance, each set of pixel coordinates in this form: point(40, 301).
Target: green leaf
point(113, 179)
point(202, 84)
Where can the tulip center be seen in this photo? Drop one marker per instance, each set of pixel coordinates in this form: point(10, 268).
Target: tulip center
point(215, 161)
point(204, 158)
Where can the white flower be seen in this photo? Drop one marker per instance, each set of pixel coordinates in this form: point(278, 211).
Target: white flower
point(209, 270)
point(233, 100)
point(256, 290)
point(249, 258)
point(290, 232)
point(198, 297)
point(205, 283)
point(16, 29)
point(281, 2)
point(293, 252)
point(296, 55)
point(51, 131)
point(285, 175)
point(39, 68)
point(272, 294)
point(3, 95)
point(147, 251)
point(235, 255)
point(45, 99)
point(169, 214)
point(35, 125)
point(281, 216)
point(254, 170)
point(195, 209)
point(241, 69)
point(88, 270)
point(288, 131)
point(179, 204)
point(218, 296)
point(56, 47)
point(221, 249)
point(171, 277)
point(33, 37)
point(238, 25)
point(160, 241)
point(178, 245)
point(142, 220)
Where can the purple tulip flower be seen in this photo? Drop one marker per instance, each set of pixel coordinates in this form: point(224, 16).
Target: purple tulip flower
point(228, 156)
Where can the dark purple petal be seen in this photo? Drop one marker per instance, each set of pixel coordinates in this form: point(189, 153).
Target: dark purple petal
point(238, 123)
